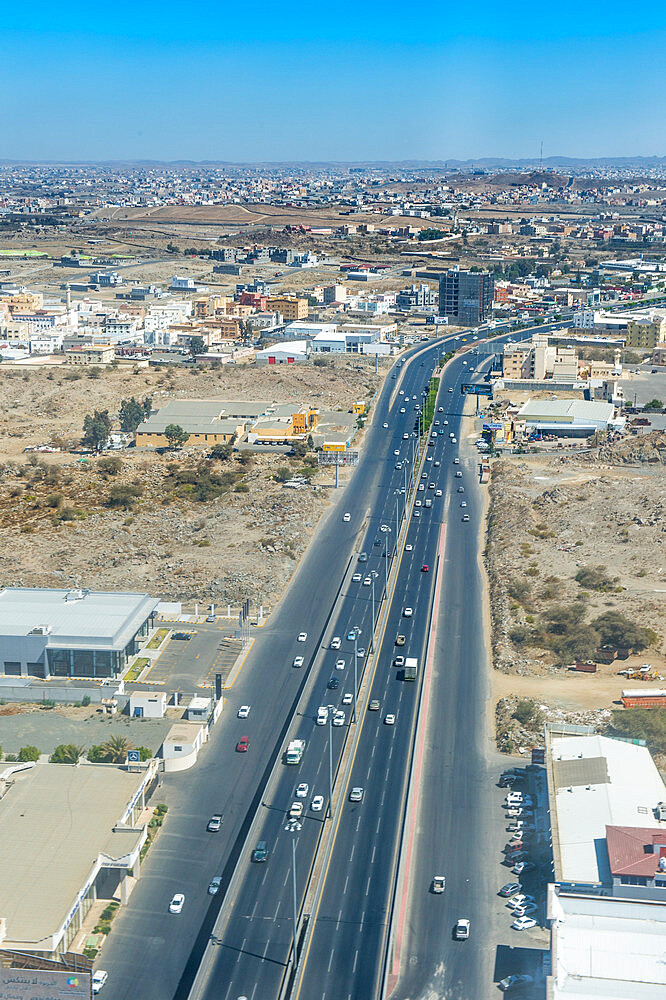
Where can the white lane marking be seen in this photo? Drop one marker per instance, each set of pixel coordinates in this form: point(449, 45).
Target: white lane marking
point(344, 891)
point(373, 750)
point(276, 911)
point(241, 950)
point(330, 962)
point(355, 961)
point(372, 859)
point(285, 879)
point(367, 888)
point(352, 852)
point(358, 823)
point(254, 910)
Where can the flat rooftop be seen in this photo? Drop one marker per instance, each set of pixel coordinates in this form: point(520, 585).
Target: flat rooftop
point(200, 416)
point(606, 949)
point(595, 782)
point(75, 617)
point(55, 821)
point(566, 410)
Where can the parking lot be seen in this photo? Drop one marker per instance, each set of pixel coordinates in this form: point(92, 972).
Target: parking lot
point(190, 664)
point(523, 837)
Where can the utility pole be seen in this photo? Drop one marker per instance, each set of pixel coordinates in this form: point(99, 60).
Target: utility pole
point(330, 761)
point(372, 627)
point(294, 827)
point(355, 668)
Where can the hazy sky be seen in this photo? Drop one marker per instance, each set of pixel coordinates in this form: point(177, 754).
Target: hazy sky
point(270, 81)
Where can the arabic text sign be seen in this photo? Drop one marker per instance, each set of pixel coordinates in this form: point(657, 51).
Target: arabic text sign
point(35, 984)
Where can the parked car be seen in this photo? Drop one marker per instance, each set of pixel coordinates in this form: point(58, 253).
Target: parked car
point(185, 636)
point(510, 889)
point(511, 981)
point(98, 980)
point(524, 923)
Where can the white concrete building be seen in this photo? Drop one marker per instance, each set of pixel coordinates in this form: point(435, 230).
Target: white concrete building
point(293, 352)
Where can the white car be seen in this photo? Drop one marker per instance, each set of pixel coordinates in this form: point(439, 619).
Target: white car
point(438, 493)
point(339, 718)
point(402, 409)
point(336, 642)
point(302, 790)
point(176, 904)
point(296, 810)
point(298, 661)
point(522, 911)
point(317, 803)
point(339, 664)
point(408, 612)
point(461, 931)
point(356, 578)
point(98, 980)
point(367, 581)
point(243, 711)
point(346, 517)
point(389, 720)
point(356, 795)
point(416, 513)
point(409, 547)
point(396, 452)
point(302, 636)
point(347, 698)
point(385, 426)
point(519, 900)
point(524, 924)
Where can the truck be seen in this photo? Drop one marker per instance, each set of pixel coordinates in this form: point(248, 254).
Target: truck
point(295, 752)
point(410, 669)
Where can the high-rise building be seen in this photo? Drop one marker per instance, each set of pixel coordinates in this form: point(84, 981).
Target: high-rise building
point(466, 297)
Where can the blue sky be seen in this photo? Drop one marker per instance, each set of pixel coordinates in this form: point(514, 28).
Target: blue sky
point(366, 81)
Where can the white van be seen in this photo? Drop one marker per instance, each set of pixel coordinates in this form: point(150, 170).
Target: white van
point(322, 716)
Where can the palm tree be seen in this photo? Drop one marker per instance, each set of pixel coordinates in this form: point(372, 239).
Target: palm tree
point(116, 749)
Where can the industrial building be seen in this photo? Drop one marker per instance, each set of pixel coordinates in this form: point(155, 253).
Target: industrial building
point(466, 297)
point(293, 352)
point(69, 835)
point(568, 417)
point(207, 421)
point(71, 633)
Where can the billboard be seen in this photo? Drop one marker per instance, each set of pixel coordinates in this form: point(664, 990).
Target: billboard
point(478, 388)
point(37, 984)
point(337, 458)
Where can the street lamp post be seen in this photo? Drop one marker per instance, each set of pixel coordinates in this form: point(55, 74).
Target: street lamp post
point(331, 710)
point(372, 624)
point(355, 668)
point(293, 827)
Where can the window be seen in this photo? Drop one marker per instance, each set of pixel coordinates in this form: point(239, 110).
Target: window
point(660, 883)
point(632, 880)
point(13, 667)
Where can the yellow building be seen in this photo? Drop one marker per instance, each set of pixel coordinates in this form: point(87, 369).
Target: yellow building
point(290, 307)
point(90, 354)
point(279, 427)
point(358, 407)
point(23, 301)
point(646, 331)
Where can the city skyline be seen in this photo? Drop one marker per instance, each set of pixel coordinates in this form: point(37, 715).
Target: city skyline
point(319, 86)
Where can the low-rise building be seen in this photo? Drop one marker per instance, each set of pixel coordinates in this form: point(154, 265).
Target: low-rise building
point(90, 354)
point(647, 331)
point(290, 307)
point(207, 421)
point(568, 417)
point(293, 352)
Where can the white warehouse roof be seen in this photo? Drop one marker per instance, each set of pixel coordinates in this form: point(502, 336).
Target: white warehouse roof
point(566, 411)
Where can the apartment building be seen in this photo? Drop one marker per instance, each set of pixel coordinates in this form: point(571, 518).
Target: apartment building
point(291, 307)
point(647, 331)
point(537, 360)
point(466, 297)
point(90, 354)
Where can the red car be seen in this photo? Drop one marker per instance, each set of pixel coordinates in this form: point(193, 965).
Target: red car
point(242, 745)
point(425, 568)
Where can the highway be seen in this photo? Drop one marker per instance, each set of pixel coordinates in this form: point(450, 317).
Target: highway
point(151, 953)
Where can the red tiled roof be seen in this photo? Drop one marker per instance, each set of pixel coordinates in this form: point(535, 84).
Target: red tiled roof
point(634, 850)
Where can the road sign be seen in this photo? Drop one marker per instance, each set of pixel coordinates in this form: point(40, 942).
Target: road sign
point(476, 389)
point(134, 757)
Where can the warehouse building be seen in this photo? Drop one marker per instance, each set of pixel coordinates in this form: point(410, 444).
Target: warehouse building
point(569, 417)
point(71, 633)
point(69, 835)
point(207, 421)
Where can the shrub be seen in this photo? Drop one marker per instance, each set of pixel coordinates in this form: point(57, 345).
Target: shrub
point(123, 496)
point(616, 630)
point(282, 474)
point(29, 753)
point(66, 753)
point(110, 466)
point(519, 635)
point(595, 578)
point(85, 701)
point(54, 500)
point(528, 713)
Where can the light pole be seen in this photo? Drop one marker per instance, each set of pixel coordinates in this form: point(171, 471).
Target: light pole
point(294, 827)
point(331, 710)
point(355, 668)
point(372, 624)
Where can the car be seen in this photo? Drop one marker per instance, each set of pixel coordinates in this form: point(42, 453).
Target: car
point(298, 661)
point(416, 513)
point(523, 866)
point(373, 706)
point(398, 466)
point(461, 930)
point(440, 409)
point(438, 884)
point(385, 425)
point(401, 392)
point(351, 635)
point(438, 493)
point(260, 853)
point(184, 636)
point(512, 858)
point(400, 640)
point(98, 980)
point(465, 517)
point(461, 489)
point(214, 823)
point(431, 486)
point(524, 923)
point(510, 981)
point(454, 440)
point(409, 547)
point(389, 720)
point(425, 568)
point(405, 436)
point(243, 712)
point(397, 451)
point(177, 903)
point(402, 409)
point(399, 661)
point(510, 889)
point(451, 434)
point(242, 745)
point(524, 910)
point(357, 578)
point(302, 790)
point(360, 651)
point(363, 557)
point(317, 803)
point(428, 458)
point(463, 503)
point(458, 474)
point(456, 461)
point(215, 885)
point(302, 636)
point(211, 618)
point(339, 664)
point(295, 810)
point(437, 464)
point(408, 612)
point(346, 517)
point(437, 423)
point(421, 487)
point(367, 581)
point(339, 718)
point(336, 642)
point(356, 794)
point(417, 503)
point(347, 698)
point(519, 899)
point(424, 475)
point(333, 684)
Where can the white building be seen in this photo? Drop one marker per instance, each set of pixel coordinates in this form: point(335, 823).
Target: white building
point(293, 352)
point(302, 330)
point(179, 283)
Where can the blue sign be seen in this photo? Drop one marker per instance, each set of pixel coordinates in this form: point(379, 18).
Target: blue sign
point(476, 388)
point(134, 757)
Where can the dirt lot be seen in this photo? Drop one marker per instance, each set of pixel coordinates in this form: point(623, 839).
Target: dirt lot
point(194, 529)
point(551, 518)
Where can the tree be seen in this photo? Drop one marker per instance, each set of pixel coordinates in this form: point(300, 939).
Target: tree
point(616, 630)
point(175, 435)
point(29, 753)
point(116, 749)
point(131, 414)
point(221, 451)
point(124, 495)
point(197, 346)
point(66, 753)
point(147, 407)
point(96, 430)
point(654, 404)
